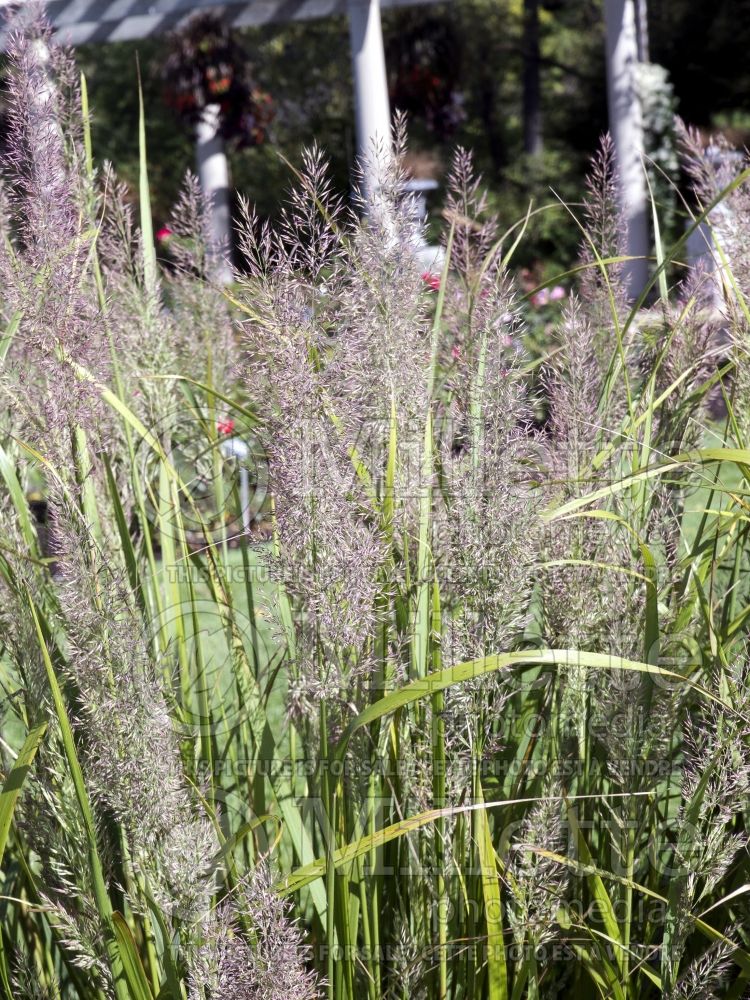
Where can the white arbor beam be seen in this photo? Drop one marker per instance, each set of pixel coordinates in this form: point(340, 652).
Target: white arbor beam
point(372, 108)
point(626, 126)
point(80, 22)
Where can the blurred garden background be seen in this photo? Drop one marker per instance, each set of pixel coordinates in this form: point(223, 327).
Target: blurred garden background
point(466, 73)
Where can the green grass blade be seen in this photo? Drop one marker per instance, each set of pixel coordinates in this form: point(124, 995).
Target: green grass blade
point(462, 672)
point(135, 974)
point(10, 332)
point(661, 274)
point(147, 226)
point(598, 891)
point(8, 473)
point(699, 456)
point(86, 123)
point(497, 973)
point(15, 779)
point(303, 876)
point(422, 614)
point(739, 955)
point(131, 560)
point(439, 305)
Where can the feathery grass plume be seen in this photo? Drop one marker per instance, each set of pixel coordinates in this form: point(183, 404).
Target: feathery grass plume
point(591, 384)
point(380, 355)
point(182, 324)
point(150, 832)
point(487, 530)
point(338, 332)
point(408, 977)
point(267, 965)
point(572, 380)
point(718, 761)
point(48, 820)
point(132, 756)
point(28, 984)
point(713, 169)
point(681, 347)
point(7, 305)
point(715, 790)
point(580, 600)
point(46, 274)
point(575, 378)
point(330, 552)
point(133, 771)
point(537, 885)
point(142, 332)
point(131, 763)
point(53, 827)
point(711, 172)
point(680, 356)
point(603, 290)
point(591, 597)
point(603, 286)
point(705, 976)
point(475, 233)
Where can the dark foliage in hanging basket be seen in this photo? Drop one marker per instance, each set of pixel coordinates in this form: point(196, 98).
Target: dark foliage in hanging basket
point(425, 72)
point(205, 65)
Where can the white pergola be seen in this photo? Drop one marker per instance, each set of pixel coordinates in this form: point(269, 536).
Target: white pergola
point(79, 22)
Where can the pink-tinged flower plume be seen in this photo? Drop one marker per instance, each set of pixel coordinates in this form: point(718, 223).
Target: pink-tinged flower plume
point(47, 277)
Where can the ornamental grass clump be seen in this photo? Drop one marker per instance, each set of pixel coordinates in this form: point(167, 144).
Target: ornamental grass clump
point(116, 831)
point(463, 712)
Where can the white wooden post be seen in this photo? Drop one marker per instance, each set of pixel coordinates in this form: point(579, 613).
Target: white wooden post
point(641, 29)
point(626, 127)
point(213, 174)
point(373, 115)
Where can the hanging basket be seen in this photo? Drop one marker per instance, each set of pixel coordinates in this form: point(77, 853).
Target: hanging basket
point(424, 79)
point(206, 66)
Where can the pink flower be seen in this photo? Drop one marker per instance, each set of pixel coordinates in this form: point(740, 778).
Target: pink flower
point(225, 426)
point(455, 352)
point(557, 293)
point(540, 298)
point(433, 280)
point(163, 234)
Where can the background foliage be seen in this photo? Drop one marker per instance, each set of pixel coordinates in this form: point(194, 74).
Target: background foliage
point(306, 68)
